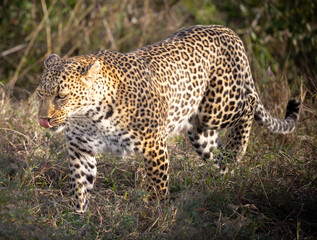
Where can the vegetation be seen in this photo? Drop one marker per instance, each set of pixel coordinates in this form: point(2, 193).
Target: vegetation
point(271, 194)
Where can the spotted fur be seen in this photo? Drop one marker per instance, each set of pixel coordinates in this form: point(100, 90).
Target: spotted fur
point(197, 80)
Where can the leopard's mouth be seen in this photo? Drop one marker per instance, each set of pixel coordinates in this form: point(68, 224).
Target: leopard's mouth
point(57, 128)
point(44, 122)
point(49, 124)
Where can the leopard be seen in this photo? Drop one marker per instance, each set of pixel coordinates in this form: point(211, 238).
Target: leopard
point(197, 81)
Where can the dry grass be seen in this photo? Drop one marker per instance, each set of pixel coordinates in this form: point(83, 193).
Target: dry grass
point(272, 194)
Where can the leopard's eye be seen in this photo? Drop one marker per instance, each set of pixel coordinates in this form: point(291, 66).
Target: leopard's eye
point(61, 96)
point(40, 94)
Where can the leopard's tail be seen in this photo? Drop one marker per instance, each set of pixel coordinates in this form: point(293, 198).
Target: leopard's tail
point(275, 125)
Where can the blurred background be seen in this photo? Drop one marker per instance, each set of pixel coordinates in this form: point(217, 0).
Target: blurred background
point(279, 35)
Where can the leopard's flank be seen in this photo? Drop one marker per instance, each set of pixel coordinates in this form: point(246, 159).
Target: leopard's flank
point(197, 80)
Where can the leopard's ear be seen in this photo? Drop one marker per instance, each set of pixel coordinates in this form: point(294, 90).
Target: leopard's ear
point(90, 76)
point(51, 59)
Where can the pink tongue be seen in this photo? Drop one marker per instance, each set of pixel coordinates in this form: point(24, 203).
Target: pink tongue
point(44, 123)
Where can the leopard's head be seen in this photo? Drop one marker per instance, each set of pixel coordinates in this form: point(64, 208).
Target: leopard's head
point(64, 88)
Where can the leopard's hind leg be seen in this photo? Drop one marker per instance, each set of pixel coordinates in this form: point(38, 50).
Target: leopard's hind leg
point(205, 141)
point(238, 138)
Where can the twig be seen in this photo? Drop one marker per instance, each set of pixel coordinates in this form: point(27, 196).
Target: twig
point(48, 29)
point(149, 229)
point(12, 130)
point(110, 35)
point(146, 22)
point(12, 50)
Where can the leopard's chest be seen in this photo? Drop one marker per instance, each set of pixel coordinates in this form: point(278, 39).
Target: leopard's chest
point(100, 136)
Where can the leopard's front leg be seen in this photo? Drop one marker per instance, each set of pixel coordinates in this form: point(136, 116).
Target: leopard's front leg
point(82, 171)
point(156, 167)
